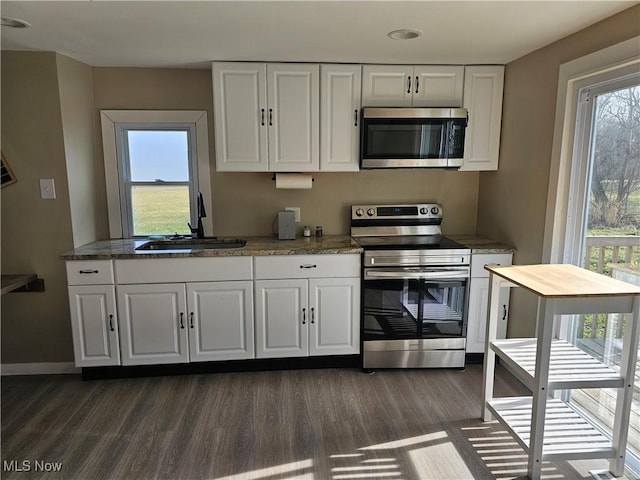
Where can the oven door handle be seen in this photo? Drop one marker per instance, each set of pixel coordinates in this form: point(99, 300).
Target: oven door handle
point(370, 274)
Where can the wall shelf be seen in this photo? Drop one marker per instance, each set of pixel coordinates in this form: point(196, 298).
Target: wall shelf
point(23, 282)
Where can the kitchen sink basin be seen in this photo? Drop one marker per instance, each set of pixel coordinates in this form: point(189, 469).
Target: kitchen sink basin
point(192, 244)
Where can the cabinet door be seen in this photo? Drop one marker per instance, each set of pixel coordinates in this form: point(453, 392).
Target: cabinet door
point(220, 321)
point(153, 323)
point(477, 318)
point(94, 325)
point(282, 318)
point(239, 106)
point(483, 87)
point(334, 305)
point(293, 113)
point(387, 85)
point(340, 87)
point(438, 86)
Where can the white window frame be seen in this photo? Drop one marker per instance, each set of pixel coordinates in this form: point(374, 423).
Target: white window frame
point(562, 221)
point(111, 121)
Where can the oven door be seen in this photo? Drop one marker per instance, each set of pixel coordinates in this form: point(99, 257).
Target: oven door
point(414, 303)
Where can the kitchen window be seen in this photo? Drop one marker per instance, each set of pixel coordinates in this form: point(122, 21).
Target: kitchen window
point(155, 164)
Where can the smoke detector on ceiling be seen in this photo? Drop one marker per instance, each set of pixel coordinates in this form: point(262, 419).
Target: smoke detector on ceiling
point(405, 34)
point(14, 22)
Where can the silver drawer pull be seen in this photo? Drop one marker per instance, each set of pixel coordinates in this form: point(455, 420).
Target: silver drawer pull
point(308, 266)
point(88, 271)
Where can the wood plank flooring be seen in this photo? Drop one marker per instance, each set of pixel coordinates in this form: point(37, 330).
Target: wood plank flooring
point(334, 424)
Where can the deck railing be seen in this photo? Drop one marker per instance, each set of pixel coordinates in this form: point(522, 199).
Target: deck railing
point(601, 252)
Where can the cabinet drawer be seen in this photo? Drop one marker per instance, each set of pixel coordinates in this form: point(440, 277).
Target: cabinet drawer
point(307, 266)
point(90, 272)
point(172, 270)
point(478, 261)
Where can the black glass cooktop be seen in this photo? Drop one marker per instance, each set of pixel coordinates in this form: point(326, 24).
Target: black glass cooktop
point(408, 242)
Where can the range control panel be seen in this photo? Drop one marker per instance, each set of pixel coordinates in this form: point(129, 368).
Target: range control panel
point(417, 211)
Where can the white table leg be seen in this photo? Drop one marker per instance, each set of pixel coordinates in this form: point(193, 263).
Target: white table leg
point(624, 399)
point(544, 334)
point(489, 355)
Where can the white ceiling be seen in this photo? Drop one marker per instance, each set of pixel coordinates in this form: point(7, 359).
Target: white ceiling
point(191, 34)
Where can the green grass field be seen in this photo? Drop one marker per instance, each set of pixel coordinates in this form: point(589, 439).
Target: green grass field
point(160, 210)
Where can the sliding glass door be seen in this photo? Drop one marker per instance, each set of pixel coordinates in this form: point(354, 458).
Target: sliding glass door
point(603, 230)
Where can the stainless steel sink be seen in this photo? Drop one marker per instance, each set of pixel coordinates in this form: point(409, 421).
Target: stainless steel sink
point(192, 244)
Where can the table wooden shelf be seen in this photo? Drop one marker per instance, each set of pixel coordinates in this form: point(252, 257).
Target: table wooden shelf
point(547, 428)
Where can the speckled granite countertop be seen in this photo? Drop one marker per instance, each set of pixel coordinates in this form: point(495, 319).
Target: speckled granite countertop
point(482, 245)
point(112, 249)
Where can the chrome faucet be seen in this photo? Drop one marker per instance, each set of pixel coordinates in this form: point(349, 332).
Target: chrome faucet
point(199, 230)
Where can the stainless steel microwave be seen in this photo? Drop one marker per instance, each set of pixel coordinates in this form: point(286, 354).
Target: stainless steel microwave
point(412, 137)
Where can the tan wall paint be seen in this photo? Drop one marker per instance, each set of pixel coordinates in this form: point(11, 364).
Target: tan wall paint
point(246, 203)
point(75, 82)
point(512, 201)
point(35, 326)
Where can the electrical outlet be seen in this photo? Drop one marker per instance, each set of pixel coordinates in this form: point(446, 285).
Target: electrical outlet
point(294, 209)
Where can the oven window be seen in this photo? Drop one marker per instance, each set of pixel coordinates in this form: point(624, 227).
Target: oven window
point(407, 139)
point(413, 309)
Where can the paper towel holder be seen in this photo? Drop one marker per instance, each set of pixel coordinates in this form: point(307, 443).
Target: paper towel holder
point(273, 177)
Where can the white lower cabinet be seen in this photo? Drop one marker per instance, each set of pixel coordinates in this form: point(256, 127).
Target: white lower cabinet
point(220, 321)
point(300, 312)
point(94, 321)
point(94, 325)
point(153, 323)
point(177, 323)
point(479, 300)
point(304, 305)
point(282, 318)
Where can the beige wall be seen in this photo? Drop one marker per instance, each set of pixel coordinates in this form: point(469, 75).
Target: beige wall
point(35, 326)
point(75, 82)
point(245, 203)
point(512, 201)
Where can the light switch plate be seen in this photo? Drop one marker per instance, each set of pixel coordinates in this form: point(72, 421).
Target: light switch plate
point(47, 189)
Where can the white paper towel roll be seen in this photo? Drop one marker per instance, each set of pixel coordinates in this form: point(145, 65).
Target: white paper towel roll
point(293, 180)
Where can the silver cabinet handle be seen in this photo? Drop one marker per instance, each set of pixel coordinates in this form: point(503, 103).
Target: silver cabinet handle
point(191, 315)
point(409, 84)
point(304, 316)
point(88, 272)
point(182, 320)
point(417, 83)
point(313, 316)
point(308, 266)
point(111, 327)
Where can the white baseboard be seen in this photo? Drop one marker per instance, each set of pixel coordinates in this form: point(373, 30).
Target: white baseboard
point(52, 368)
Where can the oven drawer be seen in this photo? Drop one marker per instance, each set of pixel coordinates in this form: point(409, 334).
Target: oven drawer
point(307, 266)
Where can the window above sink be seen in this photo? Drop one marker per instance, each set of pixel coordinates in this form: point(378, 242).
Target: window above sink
point(155, 164)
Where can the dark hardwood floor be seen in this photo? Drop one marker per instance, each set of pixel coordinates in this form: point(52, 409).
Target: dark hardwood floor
point(334, 424)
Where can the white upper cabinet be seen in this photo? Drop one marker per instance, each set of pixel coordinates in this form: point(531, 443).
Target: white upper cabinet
point(293, 115)
point(266, 116)
point(387, 85)
point(239, 106)
point(483, 87)
point(412, 86)
point(340, 88)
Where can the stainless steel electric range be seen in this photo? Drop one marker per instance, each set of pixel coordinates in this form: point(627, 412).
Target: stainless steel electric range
point(415, 283)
